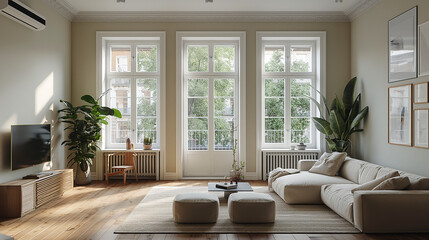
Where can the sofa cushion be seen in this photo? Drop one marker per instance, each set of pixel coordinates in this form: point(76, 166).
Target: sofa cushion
point(329, 163)
point(339, 198)
point(372, 184)
point(350, 169)
point(385, 170)
point(304, 187)
point(395, 183)
point(368, 172)
point(416, 182)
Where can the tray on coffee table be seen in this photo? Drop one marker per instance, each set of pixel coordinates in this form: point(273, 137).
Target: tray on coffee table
point(241, 187)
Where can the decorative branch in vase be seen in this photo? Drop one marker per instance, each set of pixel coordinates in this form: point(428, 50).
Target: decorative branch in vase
point(236, 173)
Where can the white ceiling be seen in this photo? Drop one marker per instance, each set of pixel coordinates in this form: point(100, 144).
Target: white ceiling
point(217, 5)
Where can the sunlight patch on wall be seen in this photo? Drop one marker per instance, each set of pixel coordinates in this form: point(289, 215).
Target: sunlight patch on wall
point(13, 119)
point(44, 93)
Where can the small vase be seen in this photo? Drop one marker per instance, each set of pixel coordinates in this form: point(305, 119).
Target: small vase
point(147, 147)
point(235, 175)
point(83, 177)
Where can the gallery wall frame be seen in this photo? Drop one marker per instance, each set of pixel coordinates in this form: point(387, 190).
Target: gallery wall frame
point(421, 93)
point(421, 124)
point(402, 44)
point(424, 49)
point(400, 117)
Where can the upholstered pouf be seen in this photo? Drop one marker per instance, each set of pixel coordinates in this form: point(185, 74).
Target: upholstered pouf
point(251, 208)
point(4, 237)
point(196, 208)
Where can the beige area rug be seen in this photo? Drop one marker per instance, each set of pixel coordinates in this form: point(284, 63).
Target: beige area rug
point(154, 215)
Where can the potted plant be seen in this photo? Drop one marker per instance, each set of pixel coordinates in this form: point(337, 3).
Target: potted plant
point(147, 143)
point(84, 131)
point(343, 118)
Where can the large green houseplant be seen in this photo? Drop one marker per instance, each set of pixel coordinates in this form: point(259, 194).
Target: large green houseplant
point(83, 124)
point(343, 118)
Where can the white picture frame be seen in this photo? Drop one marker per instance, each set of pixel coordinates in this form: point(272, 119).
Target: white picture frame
point(424, 49)
point(421, 125)
point(403, 46)
point(421, 93)
point(400, 115)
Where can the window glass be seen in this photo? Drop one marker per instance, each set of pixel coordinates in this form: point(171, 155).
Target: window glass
point(274, 59)
point(147, 59)
point(198, 111)
point(224, 113)
point(301, 59)
point(146, 109)
point(120, 98)
point(198, 58)
point(120, 59)
point(274, 110)
point(224, 58)
point(300, 110)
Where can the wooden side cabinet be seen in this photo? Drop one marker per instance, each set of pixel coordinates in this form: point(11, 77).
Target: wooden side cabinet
point(20, 197)
point(17, 198)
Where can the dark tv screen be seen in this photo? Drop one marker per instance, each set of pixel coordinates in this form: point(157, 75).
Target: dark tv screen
point(30, 145)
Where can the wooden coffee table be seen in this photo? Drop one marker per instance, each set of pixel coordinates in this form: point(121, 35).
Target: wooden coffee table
point(242, 187)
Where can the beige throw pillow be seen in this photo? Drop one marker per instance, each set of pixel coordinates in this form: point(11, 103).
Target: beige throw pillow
point(395, 183)
point(372, 184)
point(419, 184)
point(329, 163)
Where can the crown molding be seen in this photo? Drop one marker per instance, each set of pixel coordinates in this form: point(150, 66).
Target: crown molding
point(360, 7)
point(63, 8)
point(66, 10)
point(274, 16)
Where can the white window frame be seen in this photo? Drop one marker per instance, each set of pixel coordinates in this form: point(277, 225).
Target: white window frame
point(193, 38)
point(133, 75)
point(315, 38)
point(211, 75)
point(103, 39)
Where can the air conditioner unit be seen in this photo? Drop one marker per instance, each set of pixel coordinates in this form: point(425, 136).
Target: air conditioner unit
point(19, 12)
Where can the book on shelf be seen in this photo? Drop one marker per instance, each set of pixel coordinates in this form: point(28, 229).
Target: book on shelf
point(226, 185)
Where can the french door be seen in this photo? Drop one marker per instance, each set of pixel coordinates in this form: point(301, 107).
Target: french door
point(210, 107)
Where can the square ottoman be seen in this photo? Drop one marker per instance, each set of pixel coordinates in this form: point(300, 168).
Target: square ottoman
point(251, 208)
point(196, 208)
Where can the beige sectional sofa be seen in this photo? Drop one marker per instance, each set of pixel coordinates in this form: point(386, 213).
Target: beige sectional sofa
point(377, 211)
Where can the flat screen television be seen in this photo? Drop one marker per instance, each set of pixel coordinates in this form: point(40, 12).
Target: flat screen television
point(30, 145)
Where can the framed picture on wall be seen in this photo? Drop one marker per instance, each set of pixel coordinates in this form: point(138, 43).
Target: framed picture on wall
point(421, 124)
point(400, 115)
point(421, 92)
point(403, 46)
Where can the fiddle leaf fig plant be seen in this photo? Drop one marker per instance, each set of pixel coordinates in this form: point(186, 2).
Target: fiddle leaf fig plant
point(343, 118)
point(83, 124)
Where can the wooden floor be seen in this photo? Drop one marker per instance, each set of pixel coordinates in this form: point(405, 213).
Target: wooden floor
point(95, 211)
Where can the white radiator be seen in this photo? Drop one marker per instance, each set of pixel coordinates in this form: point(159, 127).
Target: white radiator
point(147, 163)
point(272, 159)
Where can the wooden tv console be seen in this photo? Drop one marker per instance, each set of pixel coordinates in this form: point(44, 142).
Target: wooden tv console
point(22, 196)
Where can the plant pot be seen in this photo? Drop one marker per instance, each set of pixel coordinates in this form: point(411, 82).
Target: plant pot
point(83, 177)
point(147, 147)
point(301, 146)
point(235, 175)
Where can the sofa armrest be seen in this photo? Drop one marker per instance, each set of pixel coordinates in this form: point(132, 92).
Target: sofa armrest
point(305, 164)
point(391, 211)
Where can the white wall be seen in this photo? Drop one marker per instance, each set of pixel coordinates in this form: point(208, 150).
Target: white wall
point(369, 61)
point(34, 76)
